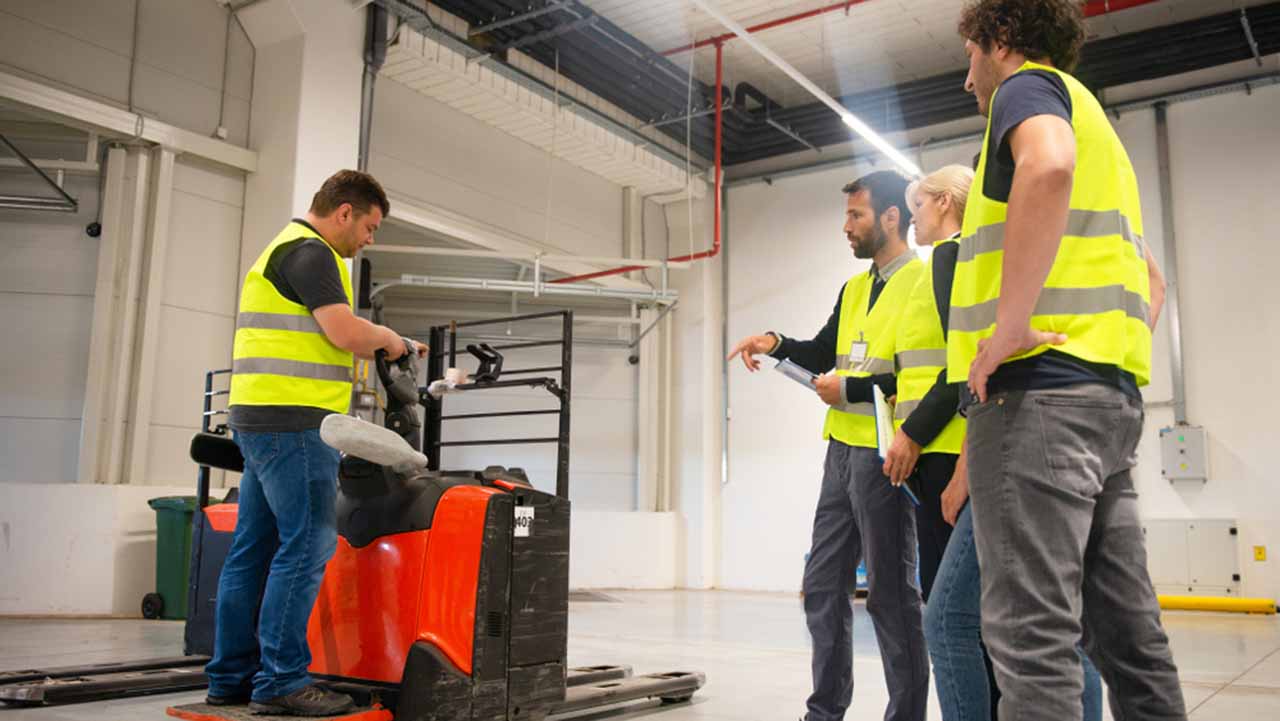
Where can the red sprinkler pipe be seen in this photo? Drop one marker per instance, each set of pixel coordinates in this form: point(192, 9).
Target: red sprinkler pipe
point(1102, 7)
point(1091, 9)
point(715, 247)
point(718, 39)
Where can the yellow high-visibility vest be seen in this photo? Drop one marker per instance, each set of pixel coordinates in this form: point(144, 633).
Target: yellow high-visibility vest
point(921, 355)
point(281, 357)
point(854, 424)
point(1097, 292)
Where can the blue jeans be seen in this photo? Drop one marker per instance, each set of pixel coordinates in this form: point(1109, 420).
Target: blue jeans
point(285, 534)
point(952, 627)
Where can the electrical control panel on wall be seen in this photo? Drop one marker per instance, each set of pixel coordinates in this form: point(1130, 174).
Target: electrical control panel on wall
point(1183, 455)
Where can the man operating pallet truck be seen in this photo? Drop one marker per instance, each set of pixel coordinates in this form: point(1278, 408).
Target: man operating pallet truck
point(295, 339)
point(447, 598)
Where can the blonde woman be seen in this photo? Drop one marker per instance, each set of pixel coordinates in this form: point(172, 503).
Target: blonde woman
point(930, 432)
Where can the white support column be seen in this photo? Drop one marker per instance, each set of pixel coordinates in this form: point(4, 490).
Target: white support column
point(149, 341)
point(648, 394)
point(107, 304)
point(666, 466)
point(648, 414)
point(126, 321)
point(633, 228)
point(712, 426)
point(306, 108)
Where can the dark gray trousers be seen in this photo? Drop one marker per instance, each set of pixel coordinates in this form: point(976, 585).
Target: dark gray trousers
point(1062, 554)
point(860, 516)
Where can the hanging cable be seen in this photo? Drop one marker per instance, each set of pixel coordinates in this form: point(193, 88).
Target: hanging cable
point(551, 153)
point(94, 229)
point(226, 64)
point(688, 149)
point(133, 54)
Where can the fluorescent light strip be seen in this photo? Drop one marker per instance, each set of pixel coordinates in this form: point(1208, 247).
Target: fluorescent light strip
point(849, 118)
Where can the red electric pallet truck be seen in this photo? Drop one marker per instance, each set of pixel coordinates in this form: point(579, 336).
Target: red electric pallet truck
point(447, 598)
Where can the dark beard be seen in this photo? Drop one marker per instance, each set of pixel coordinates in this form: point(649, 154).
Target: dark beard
point(868, 250)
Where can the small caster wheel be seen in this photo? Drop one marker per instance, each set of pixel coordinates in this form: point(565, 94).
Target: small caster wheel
point(672, 700)
point(152, 605)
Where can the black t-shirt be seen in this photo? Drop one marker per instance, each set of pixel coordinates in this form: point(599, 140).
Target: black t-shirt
point(304, 271)
point(1023, 96)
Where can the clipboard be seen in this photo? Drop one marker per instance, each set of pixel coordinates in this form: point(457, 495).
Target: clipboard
point(801, 375)
point(884, 435)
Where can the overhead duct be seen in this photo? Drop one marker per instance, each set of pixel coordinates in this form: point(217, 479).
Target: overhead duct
point(520, 98)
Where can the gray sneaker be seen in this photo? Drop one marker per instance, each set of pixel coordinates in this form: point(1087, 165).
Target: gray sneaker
point(310, 700)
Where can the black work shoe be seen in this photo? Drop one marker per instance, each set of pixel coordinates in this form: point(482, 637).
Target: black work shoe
point(307, 701)
point(238, 699)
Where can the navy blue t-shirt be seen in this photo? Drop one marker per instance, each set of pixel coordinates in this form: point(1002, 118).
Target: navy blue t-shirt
point(1023, 96)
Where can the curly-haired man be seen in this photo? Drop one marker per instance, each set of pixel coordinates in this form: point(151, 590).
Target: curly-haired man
point(1050, 326)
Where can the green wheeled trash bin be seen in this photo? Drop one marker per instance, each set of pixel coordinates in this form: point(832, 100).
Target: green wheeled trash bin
point(173, 557)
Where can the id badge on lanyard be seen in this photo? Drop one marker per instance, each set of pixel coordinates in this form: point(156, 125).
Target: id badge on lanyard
point(857, 351)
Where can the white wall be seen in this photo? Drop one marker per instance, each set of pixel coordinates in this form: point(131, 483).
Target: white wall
point(77, 549)
point(197, 313)
point(87, 548)
point(46, 310)
point(788, 259)
point(86, 47)
point(1224, 155)
point(426, 151)
point(611, 549)
point(187, 68)
point(49, 290)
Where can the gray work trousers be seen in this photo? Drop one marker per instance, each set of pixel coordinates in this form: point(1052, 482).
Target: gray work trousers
point(1062, 554)
point(860, 515)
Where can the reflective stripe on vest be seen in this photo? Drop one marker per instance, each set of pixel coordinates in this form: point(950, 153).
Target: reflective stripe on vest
point(279, 321)
point(868, 366)
point(935, 357)
point(1080, 224)
point(1097, 292)
point(921, 356)
point(857, 409)
point(281, 355)
point(1060, 301)
point(297, 369)
point(854, 424)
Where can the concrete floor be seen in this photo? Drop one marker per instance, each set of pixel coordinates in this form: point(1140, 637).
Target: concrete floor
point(752, 647)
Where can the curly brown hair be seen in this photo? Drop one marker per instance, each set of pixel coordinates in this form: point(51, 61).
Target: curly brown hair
point(1051, 29)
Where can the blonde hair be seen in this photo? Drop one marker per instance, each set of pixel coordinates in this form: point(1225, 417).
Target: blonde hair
point(949, 180)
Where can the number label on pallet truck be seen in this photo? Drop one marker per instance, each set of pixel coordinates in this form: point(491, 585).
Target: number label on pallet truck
point(524, 521)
